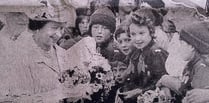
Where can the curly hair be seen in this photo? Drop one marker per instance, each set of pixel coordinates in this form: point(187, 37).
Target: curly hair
point(144, 21)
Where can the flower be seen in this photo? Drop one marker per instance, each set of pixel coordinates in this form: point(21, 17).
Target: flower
point(100, 76)
point(98, 60)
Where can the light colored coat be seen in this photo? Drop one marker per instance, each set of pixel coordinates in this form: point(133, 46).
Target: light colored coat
point(26, 69)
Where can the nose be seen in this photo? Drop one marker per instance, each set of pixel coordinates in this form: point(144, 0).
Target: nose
point(59, 32)
point(57, 35)
point(85, 25)
point(99, 29)
point(123, 45)
point(118, 74)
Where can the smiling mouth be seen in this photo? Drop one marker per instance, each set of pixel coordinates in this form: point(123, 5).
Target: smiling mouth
point(99, 37)
point(125, 50)
point(139, 43)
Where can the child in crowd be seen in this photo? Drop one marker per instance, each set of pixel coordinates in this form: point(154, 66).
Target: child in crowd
point(102, 27)
point(156, 19)
point(96, 4)
point(121, 77)
point(73, 35)
point(124, 41)
point(82, 21)
point(147, 62)
point(193, 51)
point(124, 45)
point(125, 7)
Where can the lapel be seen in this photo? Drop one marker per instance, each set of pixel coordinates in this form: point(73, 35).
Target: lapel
point(48, 59)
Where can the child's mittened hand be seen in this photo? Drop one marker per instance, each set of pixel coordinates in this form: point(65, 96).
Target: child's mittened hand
point(197, 96)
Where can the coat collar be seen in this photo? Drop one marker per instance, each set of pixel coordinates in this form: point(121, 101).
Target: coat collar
point(137, 52)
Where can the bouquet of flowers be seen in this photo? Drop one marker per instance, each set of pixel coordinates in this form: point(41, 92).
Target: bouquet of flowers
point(93, 78)
point(153, 96)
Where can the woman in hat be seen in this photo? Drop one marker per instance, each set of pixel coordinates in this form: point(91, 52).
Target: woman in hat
point(31, 67)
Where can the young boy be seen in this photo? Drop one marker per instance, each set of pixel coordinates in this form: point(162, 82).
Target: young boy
point(123, 40)
point(124, 46)
point(147, 61)
point(195, 49)
point(124, 81)
point(121, 75)
point(102, 26)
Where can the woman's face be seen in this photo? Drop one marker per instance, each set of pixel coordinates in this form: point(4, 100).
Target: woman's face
point(51, 33)
point(124, 43)
point(84, 25)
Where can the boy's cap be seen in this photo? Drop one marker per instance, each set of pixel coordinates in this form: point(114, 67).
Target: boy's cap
point(58, 14)
point(104, 16)
point(197, 35)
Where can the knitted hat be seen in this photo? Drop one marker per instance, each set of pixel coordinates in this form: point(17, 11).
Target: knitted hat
point(197, 35)
point(104, 16)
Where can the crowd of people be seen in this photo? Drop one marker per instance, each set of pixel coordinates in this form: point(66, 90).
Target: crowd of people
point(150, 48)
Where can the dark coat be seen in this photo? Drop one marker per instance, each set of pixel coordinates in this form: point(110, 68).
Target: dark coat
point(199, 74)
point(107, 50)
point(148, 65)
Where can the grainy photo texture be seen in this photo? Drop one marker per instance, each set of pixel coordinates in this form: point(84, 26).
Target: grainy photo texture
point(104, 51)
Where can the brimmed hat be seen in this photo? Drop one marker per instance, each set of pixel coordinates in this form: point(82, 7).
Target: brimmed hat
point(197, 35)
point(104, 16)
point(56, 13)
